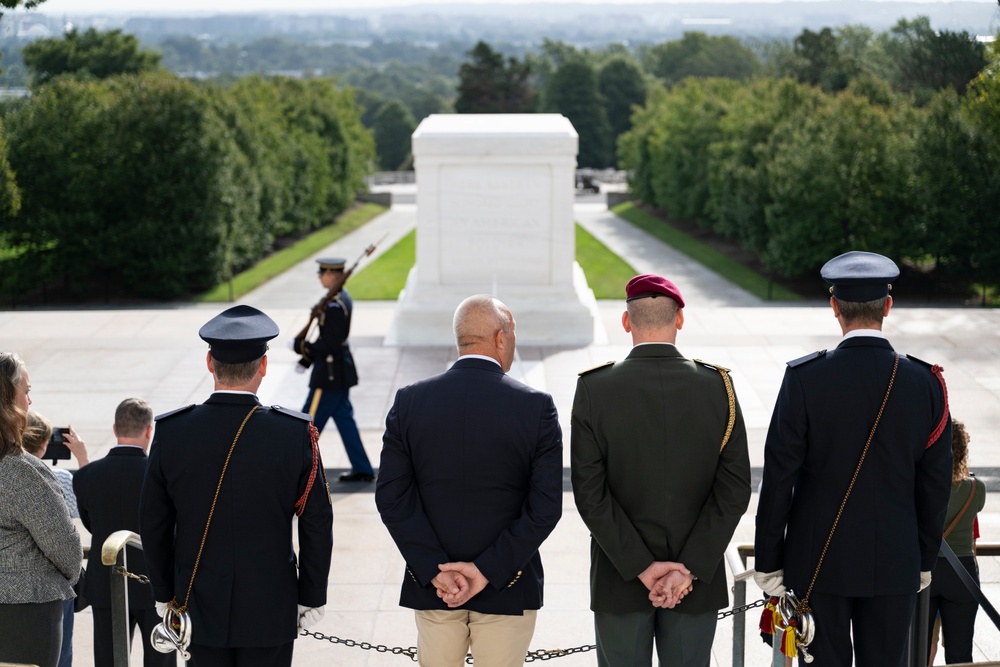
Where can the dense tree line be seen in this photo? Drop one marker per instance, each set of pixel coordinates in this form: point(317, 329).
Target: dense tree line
point(797, 173)
point(163, 187)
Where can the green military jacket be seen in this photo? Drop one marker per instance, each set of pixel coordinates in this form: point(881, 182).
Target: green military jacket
point(660, 471)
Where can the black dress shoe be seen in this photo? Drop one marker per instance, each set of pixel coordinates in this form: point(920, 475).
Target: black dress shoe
point(356, 477)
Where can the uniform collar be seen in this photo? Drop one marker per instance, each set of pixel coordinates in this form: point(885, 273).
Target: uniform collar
point(649, 350)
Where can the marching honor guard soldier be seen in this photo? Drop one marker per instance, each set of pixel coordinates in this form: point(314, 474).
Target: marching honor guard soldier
point(857, 475)
point(225, 481)
point(334, 373)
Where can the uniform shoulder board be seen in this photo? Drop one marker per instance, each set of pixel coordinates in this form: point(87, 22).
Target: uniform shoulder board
point(919, 361)
point(714, 367)
point(807, 358)
point(174, 412)
point(596, 368)
point(291, 413)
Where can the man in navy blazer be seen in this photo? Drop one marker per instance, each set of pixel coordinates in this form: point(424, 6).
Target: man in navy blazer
point(107, 493)
point(469, 487)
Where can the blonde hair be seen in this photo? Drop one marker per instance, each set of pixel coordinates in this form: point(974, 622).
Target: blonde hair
point(37, 433)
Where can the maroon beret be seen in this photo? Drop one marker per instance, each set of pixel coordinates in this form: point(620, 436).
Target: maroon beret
point(648, 285)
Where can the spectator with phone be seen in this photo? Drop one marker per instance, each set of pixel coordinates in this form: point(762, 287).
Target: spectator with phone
point(39, 437)
point(40, 551)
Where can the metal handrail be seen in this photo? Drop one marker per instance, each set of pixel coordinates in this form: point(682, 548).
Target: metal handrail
point(113, 556)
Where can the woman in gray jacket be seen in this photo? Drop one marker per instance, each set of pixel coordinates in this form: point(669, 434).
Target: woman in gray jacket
point(40, 553)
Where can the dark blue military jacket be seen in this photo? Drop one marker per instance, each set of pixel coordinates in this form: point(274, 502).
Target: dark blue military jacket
point(891, 527)
point(331, 358)
point(247, 584)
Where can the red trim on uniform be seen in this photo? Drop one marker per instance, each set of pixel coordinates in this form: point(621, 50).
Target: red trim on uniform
point(300, 504)
point(939, 372)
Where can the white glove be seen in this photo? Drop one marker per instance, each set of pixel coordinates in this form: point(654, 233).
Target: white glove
point(771, 583)
point(291, 345)
point(925, 580)
point(310, 616)
point(299, 368)
point(161, 608)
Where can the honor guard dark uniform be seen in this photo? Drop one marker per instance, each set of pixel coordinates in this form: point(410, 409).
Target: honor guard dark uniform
point(887, 536)
point(224, 484)
point(334, 373)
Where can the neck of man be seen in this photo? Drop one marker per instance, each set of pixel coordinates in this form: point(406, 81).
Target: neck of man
point(663, 335)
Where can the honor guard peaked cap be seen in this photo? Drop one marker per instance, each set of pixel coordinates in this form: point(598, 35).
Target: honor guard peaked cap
point(651, 286)
point(239, 334)
point(331, 263)
point(859, 276)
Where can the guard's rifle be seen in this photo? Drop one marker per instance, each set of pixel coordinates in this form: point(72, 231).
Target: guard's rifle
point(334, 290)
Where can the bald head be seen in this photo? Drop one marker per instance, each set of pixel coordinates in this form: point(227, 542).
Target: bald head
point(484, 325)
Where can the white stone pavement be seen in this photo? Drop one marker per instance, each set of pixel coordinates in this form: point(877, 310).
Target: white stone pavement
point(84, 361)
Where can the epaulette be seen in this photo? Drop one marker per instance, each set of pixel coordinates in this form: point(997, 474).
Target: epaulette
point(174, 412)
point(807, 358)
point(595, 368)
point(292, 413)
point(714, 367)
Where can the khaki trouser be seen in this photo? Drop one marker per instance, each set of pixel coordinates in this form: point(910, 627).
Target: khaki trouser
point(444, 636)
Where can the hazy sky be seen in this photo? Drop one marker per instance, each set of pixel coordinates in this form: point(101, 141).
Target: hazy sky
point(193, 6)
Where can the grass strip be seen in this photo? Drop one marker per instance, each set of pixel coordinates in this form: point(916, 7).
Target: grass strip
point(709, 257)
point(284, 259)
point(382, 280)
point(607, 273)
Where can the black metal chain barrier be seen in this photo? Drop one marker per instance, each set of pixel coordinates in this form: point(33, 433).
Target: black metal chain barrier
point(532, 656)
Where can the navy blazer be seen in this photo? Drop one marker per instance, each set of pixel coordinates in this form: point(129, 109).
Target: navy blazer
point(472, 471)
point(247, 584)
point(107, 493)
point(891, 527)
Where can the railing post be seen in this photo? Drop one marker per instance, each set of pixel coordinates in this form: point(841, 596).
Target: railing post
point(919, 630)
point(113, 554)
point(736, 557)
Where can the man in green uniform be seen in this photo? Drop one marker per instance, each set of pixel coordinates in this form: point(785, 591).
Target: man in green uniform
point(661, 476)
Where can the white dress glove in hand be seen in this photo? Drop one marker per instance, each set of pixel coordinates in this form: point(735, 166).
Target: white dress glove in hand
point(161, 608)
point(771, 583)
point(925, 580)
point(291, 345)
point(299, 368)
point(310, 616)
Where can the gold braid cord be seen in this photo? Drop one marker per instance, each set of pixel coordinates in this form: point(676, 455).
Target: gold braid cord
point(211, 511)
point(730, 396)
point(803, 606)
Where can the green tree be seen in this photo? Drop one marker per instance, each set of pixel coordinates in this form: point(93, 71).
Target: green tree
point(817, 61)
point(489, 84)
point(10, 194)
point(88, 54)
point(393, 127)
point(838, 181)
point(699, 55)
point(574, 93)
point(623, 87)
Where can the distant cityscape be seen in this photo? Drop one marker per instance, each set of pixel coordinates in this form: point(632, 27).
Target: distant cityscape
point(583, 25)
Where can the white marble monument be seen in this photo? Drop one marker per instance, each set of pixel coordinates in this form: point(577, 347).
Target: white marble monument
point(495, 215)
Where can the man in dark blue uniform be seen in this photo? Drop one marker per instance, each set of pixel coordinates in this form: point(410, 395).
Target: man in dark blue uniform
point(224, 484)
point(862, 577)
point(333, 373)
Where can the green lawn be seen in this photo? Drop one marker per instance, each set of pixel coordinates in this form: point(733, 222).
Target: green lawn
point(382, 280)
point(283, 260)
point(729, 269)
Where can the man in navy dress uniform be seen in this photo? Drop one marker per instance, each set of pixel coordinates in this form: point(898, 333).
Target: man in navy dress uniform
point(334, 373)
point(470, 485)
point(887, 537)
point(226, 480)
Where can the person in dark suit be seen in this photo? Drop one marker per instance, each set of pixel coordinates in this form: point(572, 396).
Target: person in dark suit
point(470, 485)
point(831, 404)
point(107, 494)
point(334, 373)
point(224, 484)
point(661, 476)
